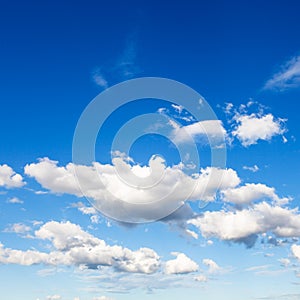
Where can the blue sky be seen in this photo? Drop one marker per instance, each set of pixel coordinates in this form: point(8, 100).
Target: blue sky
point(236, 235)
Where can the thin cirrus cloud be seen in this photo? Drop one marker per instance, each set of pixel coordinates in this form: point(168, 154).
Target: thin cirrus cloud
point(288, 77)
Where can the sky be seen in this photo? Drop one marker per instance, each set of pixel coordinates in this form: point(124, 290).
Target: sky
point(149, 150)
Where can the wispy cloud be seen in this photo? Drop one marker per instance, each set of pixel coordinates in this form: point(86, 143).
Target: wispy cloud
point(288, 77)
point(99, 79)
point(126, 66)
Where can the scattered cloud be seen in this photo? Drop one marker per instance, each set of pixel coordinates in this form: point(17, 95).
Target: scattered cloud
point(15, 200)
point(99, 79)
point(288, 77)
point(252, 128)
point(296, 251)
point(54, 297)
point(251, 192)
point(180, 265)
point(19, 228)
point(213, 267)
point(74, 246)
point(208, 132)
point(243, 226)
point(9, 178)
point(253, 169)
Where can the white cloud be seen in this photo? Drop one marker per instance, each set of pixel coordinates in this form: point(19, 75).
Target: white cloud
point(201, 278)
point(296, 251)
point(251, 128)
point(244, 225)
point(19, 228)
point(180, 265)
point(209, 131)
point(74, 246)
point(54, 297)
point(118, 198)
point(253, 169)
point(213, 267)
point(285, 262)
point(9, 178)
point(102, 298)
point(288, 77)
point(251, 192)
point(15, 200)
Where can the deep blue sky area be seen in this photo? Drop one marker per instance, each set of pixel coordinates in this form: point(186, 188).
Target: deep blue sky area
point(223, 49)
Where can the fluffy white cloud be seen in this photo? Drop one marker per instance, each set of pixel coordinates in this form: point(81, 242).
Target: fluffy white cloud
point(213, 267)
point(288, 77)
point(210, 131)
point(254, 127)
point(296, 251)
point(160, 193)
point(180, 265)
point(251, 192)
point(102, 298)
point(241, 225)
point(74, 246)
point(9, 178)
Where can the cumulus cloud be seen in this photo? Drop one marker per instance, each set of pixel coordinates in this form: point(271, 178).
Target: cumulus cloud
point(180, 265)
point(244, 225)
point(9, 178)
point(74, 246)
point(296, 251)
point(288, 77)
point(102, 298)
point(164, 190)
point(251, 192)
point(251, 128)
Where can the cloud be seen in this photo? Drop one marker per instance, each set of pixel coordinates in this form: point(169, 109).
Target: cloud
point(244, 225)
point(180, 265)
point(9, 178)
point(74, 246)
point(251, 128)
point(201, 278)
point(102, 298)
point(251, 192)
point(19, 228)
point(15, 200)
point(54, 297)
point(209, 131)
point(99, 79)
point(213, 267)
point(296, 251)
point(119, 198)
point(288, 77)
point(253, 169)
